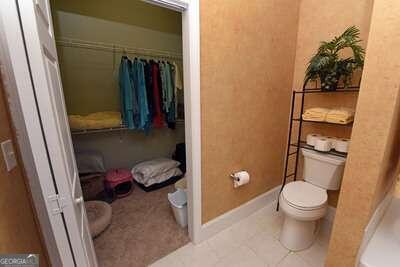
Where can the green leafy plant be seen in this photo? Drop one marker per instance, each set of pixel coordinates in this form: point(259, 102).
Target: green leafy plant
point(327, 64)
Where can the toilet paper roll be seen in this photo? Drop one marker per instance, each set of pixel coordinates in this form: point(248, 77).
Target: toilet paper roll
point(322, 144)
point(332, 140)
point(311, 138)
point(342, 145)
point(241, 178)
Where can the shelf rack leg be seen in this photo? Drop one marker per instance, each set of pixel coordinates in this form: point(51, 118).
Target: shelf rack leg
point(288, 148)
point(299, 133)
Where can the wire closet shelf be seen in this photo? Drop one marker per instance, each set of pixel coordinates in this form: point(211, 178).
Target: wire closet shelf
point(117, 48)
point(112, 129)
point(294, 146)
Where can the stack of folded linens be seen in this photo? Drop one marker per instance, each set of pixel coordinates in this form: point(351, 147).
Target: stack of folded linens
point(155, 171)
point(315, 114)
point(341, 116)
point(338, 115)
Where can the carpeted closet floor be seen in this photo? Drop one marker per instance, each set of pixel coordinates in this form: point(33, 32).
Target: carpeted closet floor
point(142, 230)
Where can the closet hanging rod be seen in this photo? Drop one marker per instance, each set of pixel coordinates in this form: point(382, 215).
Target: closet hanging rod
point(117, 48)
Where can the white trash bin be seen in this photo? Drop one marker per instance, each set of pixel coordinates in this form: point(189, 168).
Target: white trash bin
point(178, 202)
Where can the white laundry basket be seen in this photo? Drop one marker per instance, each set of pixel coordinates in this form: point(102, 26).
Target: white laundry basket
point(178, 203)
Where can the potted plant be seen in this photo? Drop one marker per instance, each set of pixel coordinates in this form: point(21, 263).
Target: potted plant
point(328, 65)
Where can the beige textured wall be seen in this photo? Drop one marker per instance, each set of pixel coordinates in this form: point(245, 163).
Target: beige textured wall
point(247, 57)
point(374, 152)
point(320, 21)
point(18, 229)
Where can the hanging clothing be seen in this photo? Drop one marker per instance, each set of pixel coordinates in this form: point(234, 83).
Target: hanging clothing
point(126, 94)
point(164, 89)
point(158, 115)
point(170, 96)
point(140, 84)
point(177, 77)
point(148, 93)
point(178, 85)
point(170, 87)
point(135, 97)
point(149, 88)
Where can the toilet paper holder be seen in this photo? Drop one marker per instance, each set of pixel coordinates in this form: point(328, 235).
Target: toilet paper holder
point(232, 175)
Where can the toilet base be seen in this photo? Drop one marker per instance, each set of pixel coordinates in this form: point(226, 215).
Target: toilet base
point(298, 235)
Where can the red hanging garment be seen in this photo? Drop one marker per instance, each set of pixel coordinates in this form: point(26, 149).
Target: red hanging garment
point(158, 120)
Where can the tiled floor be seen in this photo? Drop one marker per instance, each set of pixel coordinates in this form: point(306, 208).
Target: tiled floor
point(252, 242)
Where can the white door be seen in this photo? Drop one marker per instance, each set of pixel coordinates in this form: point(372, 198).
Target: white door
point(38, 32)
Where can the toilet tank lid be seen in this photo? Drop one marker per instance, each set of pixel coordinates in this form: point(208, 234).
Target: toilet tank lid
point(323, 157)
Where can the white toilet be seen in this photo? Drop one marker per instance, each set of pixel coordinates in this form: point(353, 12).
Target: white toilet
point(305, 203)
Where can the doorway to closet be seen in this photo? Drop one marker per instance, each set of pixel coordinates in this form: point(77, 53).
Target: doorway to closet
point(121, 68)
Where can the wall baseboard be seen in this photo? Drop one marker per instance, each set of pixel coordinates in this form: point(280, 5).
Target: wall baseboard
point(229, 218)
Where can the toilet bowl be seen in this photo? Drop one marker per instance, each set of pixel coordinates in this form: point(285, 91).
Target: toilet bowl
point(305, 203)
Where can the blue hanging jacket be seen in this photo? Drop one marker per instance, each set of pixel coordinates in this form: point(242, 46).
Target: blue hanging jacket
point(126, 97)
point(144, 114)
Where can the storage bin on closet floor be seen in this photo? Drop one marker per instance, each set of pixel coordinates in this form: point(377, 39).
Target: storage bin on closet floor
point(119, 182)
point(178, 203)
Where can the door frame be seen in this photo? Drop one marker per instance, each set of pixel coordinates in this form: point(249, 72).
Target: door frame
point(190, 10)
point(19, 89)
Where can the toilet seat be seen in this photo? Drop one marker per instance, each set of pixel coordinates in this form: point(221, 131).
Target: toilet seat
point(304, 196)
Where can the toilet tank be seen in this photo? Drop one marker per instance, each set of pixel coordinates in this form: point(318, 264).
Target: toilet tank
point(323, 170)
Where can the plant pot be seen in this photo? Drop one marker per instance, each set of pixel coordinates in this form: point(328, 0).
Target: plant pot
point(329, 82)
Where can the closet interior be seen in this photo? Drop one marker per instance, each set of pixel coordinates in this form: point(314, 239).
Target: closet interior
point(122, 76)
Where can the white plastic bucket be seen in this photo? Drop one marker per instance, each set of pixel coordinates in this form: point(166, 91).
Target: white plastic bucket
point(178, 203)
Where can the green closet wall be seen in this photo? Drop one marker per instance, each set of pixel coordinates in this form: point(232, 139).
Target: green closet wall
point(90, 77)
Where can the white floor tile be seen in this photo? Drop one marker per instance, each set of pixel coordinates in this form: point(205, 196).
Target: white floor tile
point(250, 242)
point(267, 248)
point(315, 255)
point(293, 260)
point(197, 255)
point(243, 257)
point(245, 229)
point(269, 221)
point(224, 243)
point(170, 260)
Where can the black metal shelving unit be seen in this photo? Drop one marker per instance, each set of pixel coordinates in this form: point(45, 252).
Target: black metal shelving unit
point(293, 148)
